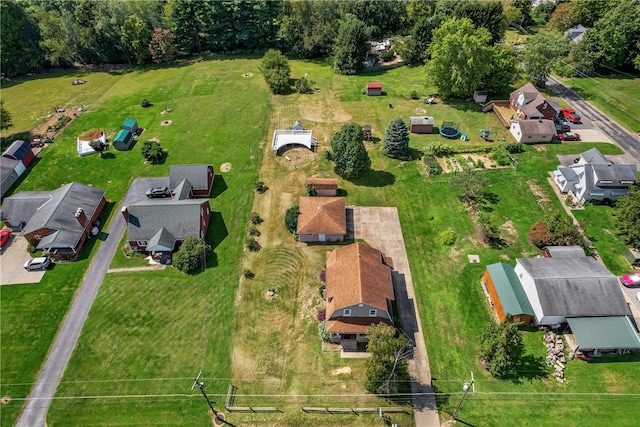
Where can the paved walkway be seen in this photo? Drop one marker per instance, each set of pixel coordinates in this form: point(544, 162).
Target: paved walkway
point(34, 413)
point(380, 228)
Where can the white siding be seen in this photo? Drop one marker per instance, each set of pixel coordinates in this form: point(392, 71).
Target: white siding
point(529, 286)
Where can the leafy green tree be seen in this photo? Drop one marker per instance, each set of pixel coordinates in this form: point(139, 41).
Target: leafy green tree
point(349, 152)
point(525, 9)
point(381, 17)
point(628, 217)
point(350, 48)
point(470, 184)
point(502, 69)
point(162, 46)
point(588, 12)
point(512, 15)
point(59, 36)
point(291, 219)
point(562, 17)
point(152, 151)
point(136, 36)
point(543, 12)
point(6, 121)
point(414, 49)
point(20, 52)
point(309, 28)
point(387, 366)
point(459, 57)
point(396, 139)
point(501, 347)
point(97, 145)
point(489, 15)
point(276, 71)
point(192, 255)
point(544, 51)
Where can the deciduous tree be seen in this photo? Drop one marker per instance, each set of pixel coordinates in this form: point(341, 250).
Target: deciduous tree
point(162, 46)
point(192, 255)
point(460, 57)
point(348, 151)
point(350, 47)
point(387, 366)
point(6, 121)
point(396, 139)
point(152, 151)
point(470, 184)
point(276, 71)
point(544, 51)
point(136, 36)
point(500, 347)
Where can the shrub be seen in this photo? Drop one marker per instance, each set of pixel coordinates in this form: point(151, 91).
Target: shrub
point(152, 151)
point(192, 255)
point(328, 155)
point(501, 156)
point(304, 86)
point(31, 248)
point(254, 232)
point(291, 219)
point(252, 244)
point(310, 190)
point(540, 236)
point(145, 103)
point(322, 314)
point(323, 275)
point(387, 55)
point(321, 289)
point(322, 331)
point(126, 250)
point(414, 95)
point(255, 218)
point(260, 187)
point(439, 149)
point(432, 167)
point(447, 237)
point(248, 274)
point(514, 147)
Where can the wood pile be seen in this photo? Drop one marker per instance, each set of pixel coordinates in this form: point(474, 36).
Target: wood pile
point(555, 354)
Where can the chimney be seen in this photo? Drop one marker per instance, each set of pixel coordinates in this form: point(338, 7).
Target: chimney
point(125, 213)
point(81, 217)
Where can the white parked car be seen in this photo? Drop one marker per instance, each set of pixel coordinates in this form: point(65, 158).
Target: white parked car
point(40, 263)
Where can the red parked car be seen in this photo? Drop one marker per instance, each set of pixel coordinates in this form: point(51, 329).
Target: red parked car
point(630, 280)
point(570, 114)
point(4, 237)
point(568, 136)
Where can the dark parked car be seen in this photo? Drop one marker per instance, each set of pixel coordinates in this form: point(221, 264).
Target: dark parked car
point(563, 128)
point(158, 192)
point(569, 137)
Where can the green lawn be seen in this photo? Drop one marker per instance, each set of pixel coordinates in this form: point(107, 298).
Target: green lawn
point(618, 96)
point(149, 332)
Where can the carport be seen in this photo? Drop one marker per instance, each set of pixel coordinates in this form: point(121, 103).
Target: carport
point(604, 334)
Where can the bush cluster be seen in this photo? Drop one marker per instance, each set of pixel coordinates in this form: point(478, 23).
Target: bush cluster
point(432, 166)
point(439, 149)
point(447, 237)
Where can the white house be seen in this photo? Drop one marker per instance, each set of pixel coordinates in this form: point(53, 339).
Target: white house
point(530, 131)
point(594, 177)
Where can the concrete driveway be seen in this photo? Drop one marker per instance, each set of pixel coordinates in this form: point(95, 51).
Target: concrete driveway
point(12, 259)
point(380, 228)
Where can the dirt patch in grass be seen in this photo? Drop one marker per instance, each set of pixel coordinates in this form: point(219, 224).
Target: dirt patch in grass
point(505, 257)
point(541, 195)
point(509, 228)
point(90, 135)
point(225, 167)
point(295, 158)
point(540, 148)
point(166, 122)
point(341, 371)
point(247, 75)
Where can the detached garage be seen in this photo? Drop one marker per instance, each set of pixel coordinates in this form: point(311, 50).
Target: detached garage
point(373, 89)
point(123, 140)
point(506, 293)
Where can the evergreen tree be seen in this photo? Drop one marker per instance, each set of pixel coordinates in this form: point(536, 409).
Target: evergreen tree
point(396, 139)
point(6, 121)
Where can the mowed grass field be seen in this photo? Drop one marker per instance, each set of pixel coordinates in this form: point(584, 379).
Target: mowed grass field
point(149, 332)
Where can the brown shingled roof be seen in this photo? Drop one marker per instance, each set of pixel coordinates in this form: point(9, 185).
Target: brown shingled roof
point(355, 325)
point(356, 274)
point(322, 215)
point(323, 183)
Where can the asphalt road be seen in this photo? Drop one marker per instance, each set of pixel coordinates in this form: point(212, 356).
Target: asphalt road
point(626, 140)
point(34, 414)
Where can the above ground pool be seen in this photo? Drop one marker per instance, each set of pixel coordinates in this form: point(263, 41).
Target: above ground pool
point(449, 131)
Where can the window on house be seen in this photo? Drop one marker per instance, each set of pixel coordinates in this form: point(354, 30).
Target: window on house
point(142, 243)
point(521, 275)
point(37, 237)
point(373, 313)
point(346, 312)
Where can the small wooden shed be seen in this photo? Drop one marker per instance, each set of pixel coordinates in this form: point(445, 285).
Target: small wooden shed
point(373, 89)
point(327, 187)
point(507, 294)
point(366, 129)
point(421, 124)
point(480, 96)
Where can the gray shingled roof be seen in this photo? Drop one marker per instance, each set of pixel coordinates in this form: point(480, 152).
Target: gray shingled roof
point(181, 218)
point(568, 173)
point(565, 251)
point(197, 175)
point(575, 287)
point(615, 172)
point(423, 120)
point(182, 190)
point(163, 240)
point(594, 156)
point(55, 210)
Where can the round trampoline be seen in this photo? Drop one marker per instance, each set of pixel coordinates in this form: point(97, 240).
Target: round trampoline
point(449, 131)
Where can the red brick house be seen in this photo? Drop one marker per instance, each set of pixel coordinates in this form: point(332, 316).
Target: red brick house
point(58, 222)
point(359, 291)
point(322, 219)
point(528, 103)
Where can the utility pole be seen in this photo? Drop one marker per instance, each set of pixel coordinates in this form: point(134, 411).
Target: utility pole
point(466, 388)
point(200, 385)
